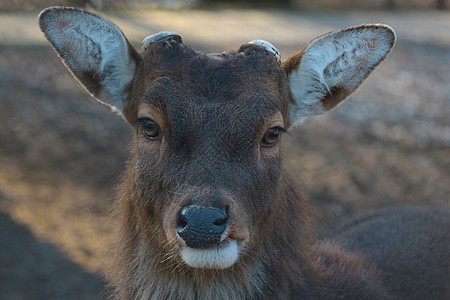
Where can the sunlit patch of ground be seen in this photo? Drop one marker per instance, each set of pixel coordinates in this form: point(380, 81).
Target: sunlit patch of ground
point(69, 215)
point(227, 28)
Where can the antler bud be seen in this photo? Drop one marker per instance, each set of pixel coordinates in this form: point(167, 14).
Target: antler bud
point(268, 47)
point(160, 36)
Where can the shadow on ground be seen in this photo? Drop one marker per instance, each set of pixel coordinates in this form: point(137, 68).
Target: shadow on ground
point(35, 269)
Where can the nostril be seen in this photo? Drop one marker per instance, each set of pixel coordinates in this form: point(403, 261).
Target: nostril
point(182, 221)
point(221, 221)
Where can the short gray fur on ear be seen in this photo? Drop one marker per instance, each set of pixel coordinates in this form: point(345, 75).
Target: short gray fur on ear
point(160, 36)
point(269, 47)
point(333, 65)
point(94, 50)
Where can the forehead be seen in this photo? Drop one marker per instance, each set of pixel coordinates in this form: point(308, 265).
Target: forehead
point(180, 79)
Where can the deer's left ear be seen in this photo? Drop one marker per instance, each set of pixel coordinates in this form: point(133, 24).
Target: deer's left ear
point(333, 65)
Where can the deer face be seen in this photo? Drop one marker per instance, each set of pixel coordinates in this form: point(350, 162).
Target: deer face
point(207, 164)
point(204, 178)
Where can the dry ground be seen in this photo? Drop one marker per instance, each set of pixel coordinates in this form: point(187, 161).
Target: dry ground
point(61, 152)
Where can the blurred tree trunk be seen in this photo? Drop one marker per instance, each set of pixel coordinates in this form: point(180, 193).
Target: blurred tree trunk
point(76, 3)
point(272, 2)
point(441, 4)
point(390, 4)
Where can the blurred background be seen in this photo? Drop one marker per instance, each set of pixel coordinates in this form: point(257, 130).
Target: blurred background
point(61, 152)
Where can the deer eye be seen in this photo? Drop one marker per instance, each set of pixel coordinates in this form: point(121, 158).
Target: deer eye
point(271, 136)
point(149, 128)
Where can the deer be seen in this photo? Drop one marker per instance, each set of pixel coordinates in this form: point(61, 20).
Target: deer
point(205, 208)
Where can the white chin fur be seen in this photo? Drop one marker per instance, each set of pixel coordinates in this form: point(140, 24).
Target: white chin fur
point(215, 258)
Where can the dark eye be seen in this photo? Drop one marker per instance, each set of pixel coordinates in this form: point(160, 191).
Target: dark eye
point(149, 128)
point(271, 136)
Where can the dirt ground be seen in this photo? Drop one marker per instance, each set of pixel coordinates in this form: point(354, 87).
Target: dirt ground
point(61, 152)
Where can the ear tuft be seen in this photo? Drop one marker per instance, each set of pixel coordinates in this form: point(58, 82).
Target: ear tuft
point(332, 66)
point(94, 50)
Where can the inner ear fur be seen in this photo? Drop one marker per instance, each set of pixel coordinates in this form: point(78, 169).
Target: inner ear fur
point(328, 69)
point(95, 51)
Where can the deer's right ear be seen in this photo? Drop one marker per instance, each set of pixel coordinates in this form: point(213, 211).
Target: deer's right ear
point(94, 50)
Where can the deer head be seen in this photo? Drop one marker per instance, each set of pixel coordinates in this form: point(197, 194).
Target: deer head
point(205, 180)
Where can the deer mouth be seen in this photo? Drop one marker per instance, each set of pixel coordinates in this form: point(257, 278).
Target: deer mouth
point(220, 256)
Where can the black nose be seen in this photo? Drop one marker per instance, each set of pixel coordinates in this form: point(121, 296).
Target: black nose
point(201, 227)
